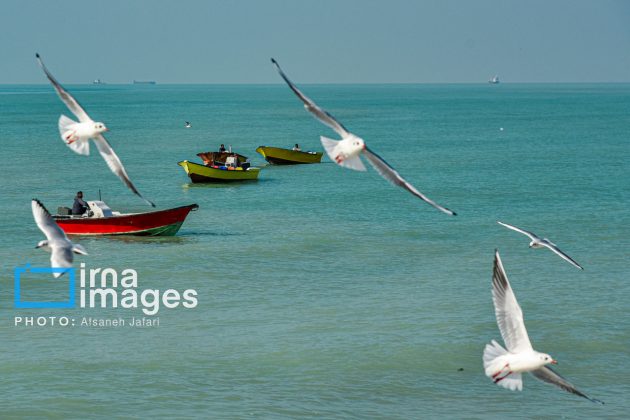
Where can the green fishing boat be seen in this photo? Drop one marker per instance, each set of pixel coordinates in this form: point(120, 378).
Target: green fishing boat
point(203, 173)
point(279, 156)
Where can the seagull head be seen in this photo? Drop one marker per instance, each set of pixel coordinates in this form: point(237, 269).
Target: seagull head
point(43, 244)
point(534, 244)
point(99, 127)
point(545, 358)
point(356, 143)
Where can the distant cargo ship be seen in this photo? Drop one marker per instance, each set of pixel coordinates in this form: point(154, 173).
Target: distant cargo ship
point(98, 82)
point(144, 82)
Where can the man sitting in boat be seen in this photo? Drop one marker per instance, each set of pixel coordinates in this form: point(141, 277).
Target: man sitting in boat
point(296, 148)
point(79, 207)
point(222, 148)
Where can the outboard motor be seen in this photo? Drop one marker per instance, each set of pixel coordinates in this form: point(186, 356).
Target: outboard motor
point(99, 209)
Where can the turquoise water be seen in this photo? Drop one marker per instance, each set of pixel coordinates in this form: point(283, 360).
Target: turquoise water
point(324, 292)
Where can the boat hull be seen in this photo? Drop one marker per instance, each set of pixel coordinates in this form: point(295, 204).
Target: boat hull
point(279, 156)
point(201, 173)
point(155, 223)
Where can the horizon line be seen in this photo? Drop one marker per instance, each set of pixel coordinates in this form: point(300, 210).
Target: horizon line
point(316, 83)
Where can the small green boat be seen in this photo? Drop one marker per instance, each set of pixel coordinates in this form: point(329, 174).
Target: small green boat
point(202, 173)
point(278, 156)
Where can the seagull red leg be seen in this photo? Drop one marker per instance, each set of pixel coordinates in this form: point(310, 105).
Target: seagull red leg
point(496, 381)
point(507, 365)
point(69, 137)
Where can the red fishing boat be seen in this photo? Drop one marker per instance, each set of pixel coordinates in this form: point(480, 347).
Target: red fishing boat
point(101, 220)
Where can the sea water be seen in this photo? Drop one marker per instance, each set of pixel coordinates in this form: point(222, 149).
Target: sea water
point(325, 292)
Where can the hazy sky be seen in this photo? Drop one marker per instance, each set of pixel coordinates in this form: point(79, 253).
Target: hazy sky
point(316, 41)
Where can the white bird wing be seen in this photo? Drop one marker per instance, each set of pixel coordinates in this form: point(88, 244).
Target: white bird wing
point(115, 164)
point(546, 374)
point(61, 257)
point(523, 231)
point(60, 246)
point(67, 99)
point(390, 174)
point(507, 310)
point(562, 255)
point(46, 223)
point(312, 107)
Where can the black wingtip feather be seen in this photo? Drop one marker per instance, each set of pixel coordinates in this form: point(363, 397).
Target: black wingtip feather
point(41, 205)
point(37, 55)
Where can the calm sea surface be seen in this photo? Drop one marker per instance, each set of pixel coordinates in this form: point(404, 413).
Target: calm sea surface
point(324, 292)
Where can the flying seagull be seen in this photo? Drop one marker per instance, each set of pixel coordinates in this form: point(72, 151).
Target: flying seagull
point(503, 366)
point(57, 243)
point(543, 243)
point(187, 124)
point(76, 135)
point(346, 152)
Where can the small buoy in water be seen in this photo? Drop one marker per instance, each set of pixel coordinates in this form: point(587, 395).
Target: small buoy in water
point(460, 369)
point(501, 129)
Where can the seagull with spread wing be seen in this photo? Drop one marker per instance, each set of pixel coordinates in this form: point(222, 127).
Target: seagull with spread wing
point(505, 367)
point(76, 135)
point(61, 249)
point(543, 243)
point(346, 152)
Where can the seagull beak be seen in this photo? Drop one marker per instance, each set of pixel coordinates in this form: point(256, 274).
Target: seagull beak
point(554, 362)
point(106, 129)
